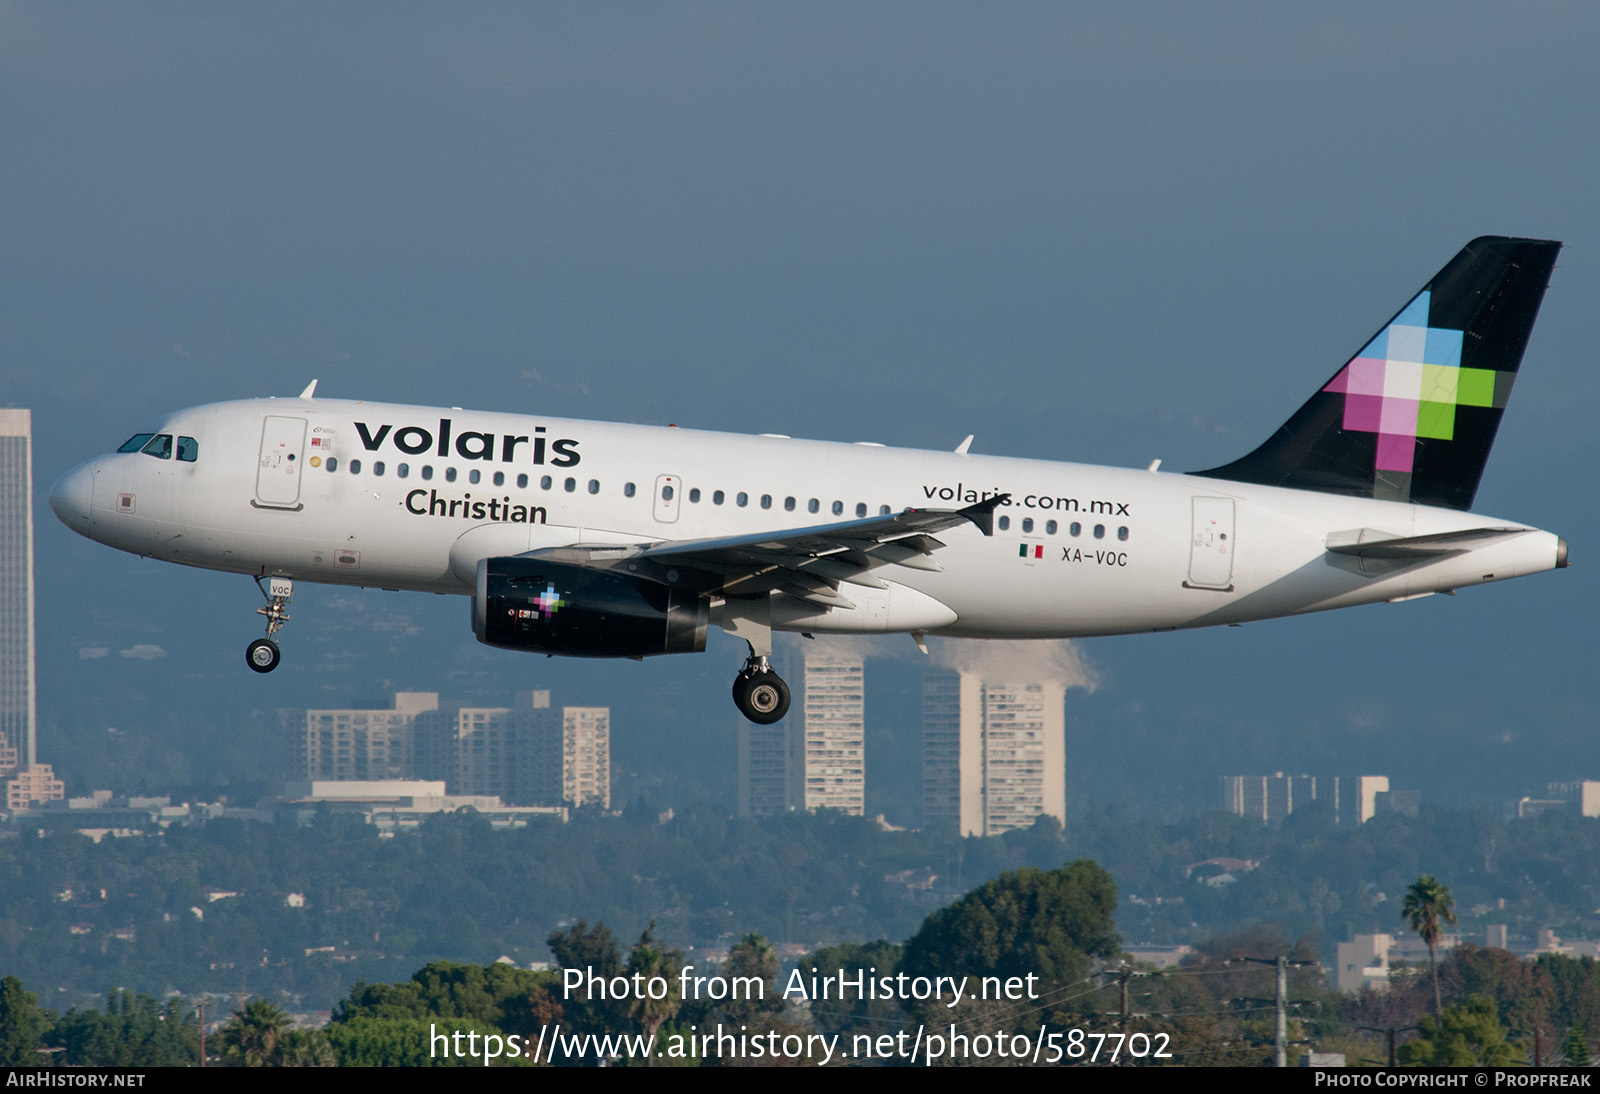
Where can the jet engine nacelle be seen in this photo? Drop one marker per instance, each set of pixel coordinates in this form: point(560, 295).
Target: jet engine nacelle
point(551, 607)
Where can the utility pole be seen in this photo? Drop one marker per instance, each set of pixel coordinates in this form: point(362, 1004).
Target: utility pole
point(1391, 1031)
point(1280, 1054)
point(1124, 974)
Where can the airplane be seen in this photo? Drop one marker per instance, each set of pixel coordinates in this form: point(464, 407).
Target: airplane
point(595, 539)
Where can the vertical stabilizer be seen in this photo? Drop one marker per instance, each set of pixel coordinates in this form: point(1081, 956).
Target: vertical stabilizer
point(1413, 415)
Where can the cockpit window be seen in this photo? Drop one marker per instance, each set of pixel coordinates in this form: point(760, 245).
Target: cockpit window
point(136, 442)
point(160, 446)
point(188, 449)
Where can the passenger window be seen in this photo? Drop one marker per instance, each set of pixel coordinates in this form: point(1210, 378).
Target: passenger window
point(694, 495)
point(861, 509)
point(1122, 533)
point(766, 501)
point(522, 482)
point(813, 505)
point(499, 478)
point(627, 490)
point(427, 472)
point(1076, 529)
point(594, 486)
point(883, 510)
point(474, 475)
point(159, 446)
point(1099, 531)
point(718, 497)
point(570, 485)
point(546, 482)
point(402, 470)
point(355, 467)
point(449, 474)
point(1050, 527)
point(742, 500)
point(377, 467)
point(136, 442)
point(188, 449)
point(333, 463)
point(838, 508)
point(1005, 522)
point(1027, 524)
point(666, 493)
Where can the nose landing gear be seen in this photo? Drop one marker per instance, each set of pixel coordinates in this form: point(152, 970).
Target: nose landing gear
point(262, 654)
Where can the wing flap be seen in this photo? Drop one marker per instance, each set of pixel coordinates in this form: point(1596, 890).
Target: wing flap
point(805, 563)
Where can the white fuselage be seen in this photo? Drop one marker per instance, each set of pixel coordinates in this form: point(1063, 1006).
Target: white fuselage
point(1080, 550)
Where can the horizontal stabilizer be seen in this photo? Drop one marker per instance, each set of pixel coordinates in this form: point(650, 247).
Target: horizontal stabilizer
point(1374, 544)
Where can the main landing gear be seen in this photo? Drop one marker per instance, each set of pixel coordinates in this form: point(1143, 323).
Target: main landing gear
point(262, 654)
point(759, 693)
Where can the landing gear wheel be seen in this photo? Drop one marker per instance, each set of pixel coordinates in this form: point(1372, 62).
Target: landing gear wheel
point(262, 655)
point(761, 696)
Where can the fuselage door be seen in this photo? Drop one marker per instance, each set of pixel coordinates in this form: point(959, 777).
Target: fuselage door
point(668, 487)
point(283, 442)
point(1211, 548)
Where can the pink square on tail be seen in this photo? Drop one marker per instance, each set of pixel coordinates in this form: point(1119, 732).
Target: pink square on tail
point(1363, 413)
point(1395, 453)
point(1399, 417)
point(1365, 376)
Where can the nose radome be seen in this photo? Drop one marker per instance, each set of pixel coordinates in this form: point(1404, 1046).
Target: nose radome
point(72, 496)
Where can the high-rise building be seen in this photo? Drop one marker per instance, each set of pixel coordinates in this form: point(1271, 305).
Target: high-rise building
point(526, 754)
point(1368, 787)
point(586, 756)
point(356, 744)
point(1350, 799)
point(764, 762)
point(18, 713)
point(33, 784)
point(1270, 798)
point(833, 748)
point(8, 756)
point(994, 752)
point(816, 757)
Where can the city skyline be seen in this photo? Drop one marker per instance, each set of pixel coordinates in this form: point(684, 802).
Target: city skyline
point(531, 752)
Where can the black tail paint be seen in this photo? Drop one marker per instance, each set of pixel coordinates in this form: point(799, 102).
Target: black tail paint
point(1413, 415)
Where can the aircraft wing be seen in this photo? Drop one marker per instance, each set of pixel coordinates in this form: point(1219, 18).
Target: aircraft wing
point(807, 563)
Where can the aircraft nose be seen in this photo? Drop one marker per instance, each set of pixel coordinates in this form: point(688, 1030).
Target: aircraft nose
point(73, 495)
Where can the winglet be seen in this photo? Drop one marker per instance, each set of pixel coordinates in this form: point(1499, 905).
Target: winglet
point(310, 391)
point(982, 514)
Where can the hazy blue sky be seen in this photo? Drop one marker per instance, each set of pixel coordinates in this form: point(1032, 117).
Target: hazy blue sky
point(1103, 233)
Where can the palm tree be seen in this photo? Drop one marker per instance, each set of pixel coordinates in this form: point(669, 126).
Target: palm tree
point(1429, 905)
point(252, 1036)
point(650, 960)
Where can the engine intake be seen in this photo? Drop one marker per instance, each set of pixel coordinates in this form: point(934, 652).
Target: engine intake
point(550, 607)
